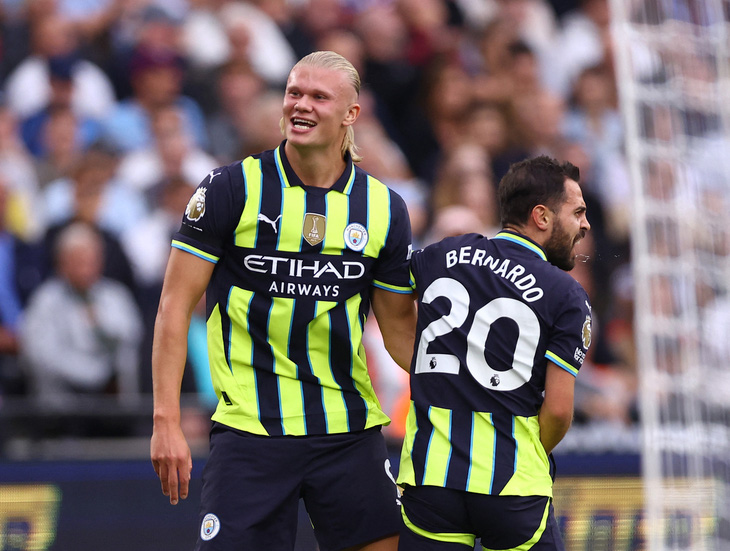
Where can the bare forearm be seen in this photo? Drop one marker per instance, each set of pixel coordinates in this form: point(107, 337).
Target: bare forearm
point(169, 351)
point(396, 315)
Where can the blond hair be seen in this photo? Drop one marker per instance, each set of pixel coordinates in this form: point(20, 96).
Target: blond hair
point(336, 62)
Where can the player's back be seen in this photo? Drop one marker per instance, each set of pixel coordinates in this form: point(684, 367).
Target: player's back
point(491, 314)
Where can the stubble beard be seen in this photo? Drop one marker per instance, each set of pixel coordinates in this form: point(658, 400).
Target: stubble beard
point(559, 248)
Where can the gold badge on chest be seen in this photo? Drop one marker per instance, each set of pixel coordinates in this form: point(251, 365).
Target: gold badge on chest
point(314, 228)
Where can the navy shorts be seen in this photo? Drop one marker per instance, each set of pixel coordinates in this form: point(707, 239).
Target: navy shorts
point(252, 486)
point(442, 519)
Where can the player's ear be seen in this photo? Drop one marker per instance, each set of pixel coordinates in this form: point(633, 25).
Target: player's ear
point(353, 112)
point(542, 216)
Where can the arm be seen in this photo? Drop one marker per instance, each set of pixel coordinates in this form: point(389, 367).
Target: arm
point(396, 315)
point(556, 413)
point(186, 278)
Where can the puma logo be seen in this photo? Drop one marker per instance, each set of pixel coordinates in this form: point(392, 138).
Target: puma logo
point(264, 218)
point(212, 174)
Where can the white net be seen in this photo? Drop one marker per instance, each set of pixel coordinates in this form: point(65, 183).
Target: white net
point(673, 68)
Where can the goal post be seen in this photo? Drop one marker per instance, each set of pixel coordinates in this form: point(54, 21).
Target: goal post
point(672, 62)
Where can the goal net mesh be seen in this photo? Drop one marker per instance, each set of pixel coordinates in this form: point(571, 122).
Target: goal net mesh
point(673, 70)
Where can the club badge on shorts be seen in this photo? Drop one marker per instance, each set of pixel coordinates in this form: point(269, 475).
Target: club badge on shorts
point(356, 236)
point(210, 527)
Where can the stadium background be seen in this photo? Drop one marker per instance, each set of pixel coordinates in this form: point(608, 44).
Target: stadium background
point(454, 90)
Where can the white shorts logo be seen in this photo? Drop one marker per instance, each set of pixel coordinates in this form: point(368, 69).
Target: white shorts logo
point(356, 236)
point(210, 527)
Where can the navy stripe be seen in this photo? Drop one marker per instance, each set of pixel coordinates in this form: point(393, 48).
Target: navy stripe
point(314, 418)
point(271, 207)
point(458, 470)
point(505, 451)
point(267, 385)
point(341, 362)
point(359, 204)
point(420, 444)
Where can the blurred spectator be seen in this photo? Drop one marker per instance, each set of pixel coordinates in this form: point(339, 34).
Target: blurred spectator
point(91, 193)
point(154, 25)
point(237, 86)
point(382, 158)
point(20, 273)
point(87, 130)
point(593, 117)
point(305, 23)
point(28, 87)
point(431, 125)
point(255, 38)
point(466, 179)
point(581, 43)
point(485, 124)
point(534, 22)
point(536, 120)
point(173, 154)
point(147, 245)
point(60, 145)
point(157, 78)
point(454, 220)
point(17, 170)
point(387, 73)
point(81, 332)
point(429, 33)
point(264, 128)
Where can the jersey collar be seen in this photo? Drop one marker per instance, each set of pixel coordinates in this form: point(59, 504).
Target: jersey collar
point(522, 240)
point(289, 178)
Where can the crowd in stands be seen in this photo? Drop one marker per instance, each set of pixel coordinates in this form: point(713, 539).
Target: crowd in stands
point(112, 111)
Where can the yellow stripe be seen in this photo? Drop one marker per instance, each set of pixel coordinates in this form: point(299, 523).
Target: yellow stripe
point(290, 389)
point(292, 220)
point(319, 358)
point(245, 234)
point(359, 370)
point(532, 470)
point(447, 537)
point(337, 214)
point(439, 447)
point(238, 382)
point(406, 473)
point(535, 537)
point(482, 454)
point(378, 217)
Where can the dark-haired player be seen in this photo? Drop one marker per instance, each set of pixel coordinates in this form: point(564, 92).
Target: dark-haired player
point(502, 332)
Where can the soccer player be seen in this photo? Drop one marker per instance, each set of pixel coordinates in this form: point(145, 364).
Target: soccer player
point(502, 332)
point(293, 246)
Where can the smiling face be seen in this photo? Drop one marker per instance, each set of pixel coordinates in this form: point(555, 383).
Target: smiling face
point(319, 105)
point(569, 227)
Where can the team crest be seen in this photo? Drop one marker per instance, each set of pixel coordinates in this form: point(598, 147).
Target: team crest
point(314, 227)
point(196, 206)
point(210, 527)
point(586, 333)
point(356, 237)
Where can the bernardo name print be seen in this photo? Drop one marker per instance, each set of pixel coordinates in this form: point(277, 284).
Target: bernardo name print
point(501, 267)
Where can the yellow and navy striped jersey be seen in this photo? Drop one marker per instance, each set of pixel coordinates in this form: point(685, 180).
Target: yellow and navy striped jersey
point(491, 314)
point(289, 294)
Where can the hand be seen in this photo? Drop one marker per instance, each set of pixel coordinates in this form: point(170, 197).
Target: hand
point(171, 460)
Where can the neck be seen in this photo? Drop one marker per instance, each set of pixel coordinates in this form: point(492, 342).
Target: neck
point(527, 231)
point(315, 167)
